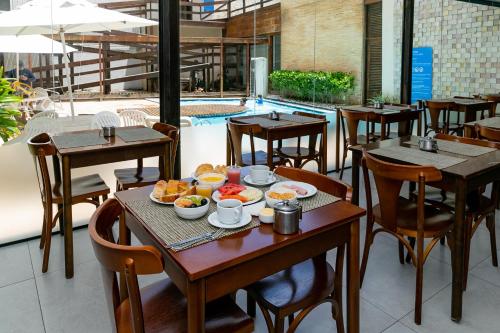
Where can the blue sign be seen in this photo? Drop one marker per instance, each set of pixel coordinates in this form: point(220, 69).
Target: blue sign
point(421, 78)
point(209, 8)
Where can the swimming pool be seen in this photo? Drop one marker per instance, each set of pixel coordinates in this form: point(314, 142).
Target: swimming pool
point(254, 108)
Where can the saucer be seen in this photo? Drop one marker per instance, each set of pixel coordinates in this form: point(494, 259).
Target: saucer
point(270, 180)
point(245, 219)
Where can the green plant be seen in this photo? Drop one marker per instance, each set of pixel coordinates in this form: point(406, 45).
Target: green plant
point(319, 86)
point(8, 113)
point(377, 99)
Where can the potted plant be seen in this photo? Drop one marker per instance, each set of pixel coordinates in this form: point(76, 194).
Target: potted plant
point(377, 101)
point(8, 112)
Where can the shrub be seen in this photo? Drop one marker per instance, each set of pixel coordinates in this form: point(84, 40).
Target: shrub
point(319, 86)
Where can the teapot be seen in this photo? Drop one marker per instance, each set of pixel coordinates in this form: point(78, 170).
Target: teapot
point(428, 144)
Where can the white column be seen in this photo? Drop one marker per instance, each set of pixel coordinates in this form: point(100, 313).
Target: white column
point(388, 63)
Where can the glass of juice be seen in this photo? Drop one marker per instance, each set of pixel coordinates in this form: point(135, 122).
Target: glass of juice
point(233, 174)
point(204, 190)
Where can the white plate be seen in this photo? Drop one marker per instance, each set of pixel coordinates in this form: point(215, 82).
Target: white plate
point(216, 194)
point(245, 219)
point(196, 178)
point(311, 189)
point(248, 180)
point(160, 202)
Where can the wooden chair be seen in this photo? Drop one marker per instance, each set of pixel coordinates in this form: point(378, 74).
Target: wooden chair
point(159, 307)
point(235, 133)
point(401, 217)
point(85, 189)
point(437, 110)
point(352, 120)
point(479, 206)
point(105, 118)
point(298, 156)
point(143, 176)
point(487, 133)
point(303, 286)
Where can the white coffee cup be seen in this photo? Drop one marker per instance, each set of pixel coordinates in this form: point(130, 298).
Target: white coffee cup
point(229, 211)
point(260, 173)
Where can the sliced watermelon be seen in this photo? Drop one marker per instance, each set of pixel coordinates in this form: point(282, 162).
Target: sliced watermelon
point(231, 189)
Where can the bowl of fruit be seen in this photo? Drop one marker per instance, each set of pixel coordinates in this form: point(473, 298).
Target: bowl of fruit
point(191, 207)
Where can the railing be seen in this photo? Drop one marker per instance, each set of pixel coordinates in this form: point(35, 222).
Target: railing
point(223, 9)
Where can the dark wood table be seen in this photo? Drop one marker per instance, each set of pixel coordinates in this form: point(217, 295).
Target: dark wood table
point(211, 270)
point(388, 115)
point(470, 107)
point(488, 122)
point(291, 127)
point(461, 178)
point(116, 150)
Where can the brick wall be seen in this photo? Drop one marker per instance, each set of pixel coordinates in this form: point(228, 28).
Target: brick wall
point(466, 44)
point(323, 35)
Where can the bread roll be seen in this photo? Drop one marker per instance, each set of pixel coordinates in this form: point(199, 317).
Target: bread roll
point(203, 168)
point(160, 189)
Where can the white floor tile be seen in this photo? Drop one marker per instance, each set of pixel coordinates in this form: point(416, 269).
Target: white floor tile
point(15, 264)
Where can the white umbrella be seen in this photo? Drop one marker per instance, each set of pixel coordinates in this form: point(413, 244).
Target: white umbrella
point(30, 44)
point(65, 16)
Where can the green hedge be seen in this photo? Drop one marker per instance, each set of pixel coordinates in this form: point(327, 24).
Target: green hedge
point(318, 86)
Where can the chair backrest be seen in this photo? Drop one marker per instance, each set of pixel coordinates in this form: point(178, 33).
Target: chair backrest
point(487, 133)
point(134, 118)
point(46, 114)
point(435, 108)
point(352, 119)
point(42, 125)
point(40, 146)
point(323, 183)
point(389, 178)
point(470, 141)
point(40, 92)
point(313, 138)
point(105, 118)
point(128, 260)
point(235, 137)
point(173, 133)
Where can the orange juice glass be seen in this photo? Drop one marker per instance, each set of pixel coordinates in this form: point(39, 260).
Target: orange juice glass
point(204, 190)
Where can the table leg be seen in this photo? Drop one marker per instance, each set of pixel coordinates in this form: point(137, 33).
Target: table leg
point(68, 219)
point(419, 125)
point(57, 179)
point(382, 128)
point(167, 164)
point(468, 132)
point(356, 162)
point(196, 307)
point(337, 140)
point(458, 250)
point(270, 153)
point(324, 144)
point(353, 280)
point(228, 150)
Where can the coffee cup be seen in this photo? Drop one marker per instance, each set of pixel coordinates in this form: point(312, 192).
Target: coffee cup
point(260, 173)
point(229, 211)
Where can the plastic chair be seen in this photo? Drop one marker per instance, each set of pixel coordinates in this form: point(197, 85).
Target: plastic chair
point(46, 114)
point(105, 118)
point(42, 125)
point(134, 118)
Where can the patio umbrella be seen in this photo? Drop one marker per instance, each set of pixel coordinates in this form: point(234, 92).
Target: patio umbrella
point(30, 44)
point(65, 16)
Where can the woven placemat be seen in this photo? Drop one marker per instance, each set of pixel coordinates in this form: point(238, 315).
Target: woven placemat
point(457, 147)
point(493, 122)
point(90, 138)
point(417, 156)
point(266, 122)
point(138, 134)
point(165, 223)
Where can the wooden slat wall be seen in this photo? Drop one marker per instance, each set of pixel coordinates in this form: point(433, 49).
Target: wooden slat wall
point(373, 77)
point(268, 23)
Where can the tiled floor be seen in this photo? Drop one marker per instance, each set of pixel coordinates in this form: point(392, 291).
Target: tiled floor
point(34, 302)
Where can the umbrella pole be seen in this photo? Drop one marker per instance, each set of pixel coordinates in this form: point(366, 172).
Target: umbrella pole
point(68, 78)
point(17, 66)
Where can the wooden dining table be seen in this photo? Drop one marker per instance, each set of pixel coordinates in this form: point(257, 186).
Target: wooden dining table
point(469, 131)
point(220, 267)
point(461, 178)
point(112, 149)
point(288, 126)
point(387, 115)
point(470, 106)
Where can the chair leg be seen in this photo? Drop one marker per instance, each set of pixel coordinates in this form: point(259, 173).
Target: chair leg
point(337, 289)
point(419, 281)
point(61, 220)
point(250, 306)
point(366, 250)
point(48, 238)
point(104, 197)
point(490, 224)
point(42, 236)
point(290, 319)
point(412, 244)
point(343, 162)
point(467, 240)
point(279, 325)
point(401, 249)
point(442, 241)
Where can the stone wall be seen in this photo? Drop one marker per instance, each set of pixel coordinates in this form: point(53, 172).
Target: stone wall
point(466, 44)
point(324, 35)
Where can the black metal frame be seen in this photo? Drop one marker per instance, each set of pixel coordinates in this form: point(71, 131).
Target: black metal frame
point(406, 55)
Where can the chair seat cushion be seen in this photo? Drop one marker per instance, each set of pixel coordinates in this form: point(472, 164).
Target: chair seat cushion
point(291, 152)
point(82, 188)
point(294, 288)
point(132, 176)
point(164, 310)
point(436, 221)
point(260, 158)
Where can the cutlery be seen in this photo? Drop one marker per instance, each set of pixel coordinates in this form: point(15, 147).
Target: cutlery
point(191, 241)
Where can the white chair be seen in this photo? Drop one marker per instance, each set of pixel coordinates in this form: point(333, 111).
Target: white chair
point(41, 125)
point(105, 118)
point(43, 101)
point(186, 122)
point(134, 118)
point(46, 114)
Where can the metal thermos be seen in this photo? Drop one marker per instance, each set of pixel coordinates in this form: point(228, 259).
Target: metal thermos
point(287, 216)
point(108, 131)
point(428, 144)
